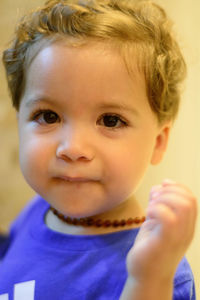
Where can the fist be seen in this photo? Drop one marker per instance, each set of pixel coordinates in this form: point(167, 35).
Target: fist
point(166, 234)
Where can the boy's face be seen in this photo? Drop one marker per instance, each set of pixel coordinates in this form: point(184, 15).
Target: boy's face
point(87, 133)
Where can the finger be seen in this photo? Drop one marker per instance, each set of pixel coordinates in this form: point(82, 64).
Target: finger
point(176, 189)
point(166, 223)
point(184, 212)
point(154, 190)
point(161, 216)
point(169, 182)
point(182, 199)
point(182, 206)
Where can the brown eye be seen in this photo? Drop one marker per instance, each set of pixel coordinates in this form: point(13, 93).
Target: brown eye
point(50, 117)
point(112, 121)
point(44, 117)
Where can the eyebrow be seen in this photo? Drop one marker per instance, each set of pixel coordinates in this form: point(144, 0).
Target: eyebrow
point(36, 100)
point(104, 105)
point(120, 106)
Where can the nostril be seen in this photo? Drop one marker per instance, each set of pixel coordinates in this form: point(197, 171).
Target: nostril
point(73, 153)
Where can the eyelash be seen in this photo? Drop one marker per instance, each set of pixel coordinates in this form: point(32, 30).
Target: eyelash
point(35, 116)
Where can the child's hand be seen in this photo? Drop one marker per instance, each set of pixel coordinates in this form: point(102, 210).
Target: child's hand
point(166, 234)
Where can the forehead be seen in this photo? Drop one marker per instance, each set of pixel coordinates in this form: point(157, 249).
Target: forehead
point(90, 56)
point(88, 73)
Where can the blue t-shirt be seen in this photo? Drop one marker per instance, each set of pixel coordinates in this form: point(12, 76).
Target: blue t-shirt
point(39, 263)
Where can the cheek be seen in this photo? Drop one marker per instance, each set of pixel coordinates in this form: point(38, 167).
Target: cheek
point(130, 162)
point(34, 156)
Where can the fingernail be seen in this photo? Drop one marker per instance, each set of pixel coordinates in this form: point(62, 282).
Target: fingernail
point(156, 188)
point(168, 181)
point(155, 194)
point(155, 191)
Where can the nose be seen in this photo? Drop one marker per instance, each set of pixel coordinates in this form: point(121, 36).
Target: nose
point(75, 146)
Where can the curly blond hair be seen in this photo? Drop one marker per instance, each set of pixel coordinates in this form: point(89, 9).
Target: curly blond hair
point(131, 26)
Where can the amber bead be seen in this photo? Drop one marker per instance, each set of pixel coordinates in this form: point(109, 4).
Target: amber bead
point(82, 222)
point(98, 223)
point(89, 222)
point(107, 223)
point(116, 223)
point(137, 220)
point(68, 220)
point(143, 219)
point(75, 221)
point(122, 223)
point(129, 221)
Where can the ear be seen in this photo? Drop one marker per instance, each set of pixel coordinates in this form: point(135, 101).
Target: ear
point(161, 143)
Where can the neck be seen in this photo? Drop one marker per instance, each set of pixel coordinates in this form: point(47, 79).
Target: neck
point(128, 209)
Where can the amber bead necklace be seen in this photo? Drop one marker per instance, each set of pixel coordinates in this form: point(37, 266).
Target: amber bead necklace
point(86, 222)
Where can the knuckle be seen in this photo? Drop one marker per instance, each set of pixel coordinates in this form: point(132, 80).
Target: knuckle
point(193, 200)
point(172, 221)
point(186, 206)
point(192, 203)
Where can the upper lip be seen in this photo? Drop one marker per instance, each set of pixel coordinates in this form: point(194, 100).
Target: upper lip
point(75, 179)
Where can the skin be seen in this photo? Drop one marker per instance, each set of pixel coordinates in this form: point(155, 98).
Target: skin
point(79, 86)
point(164, 239)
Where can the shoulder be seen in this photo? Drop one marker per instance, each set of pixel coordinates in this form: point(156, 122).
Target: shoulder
point(184, 287)
point(4, 244)
point(30, 212)
point(32, 208)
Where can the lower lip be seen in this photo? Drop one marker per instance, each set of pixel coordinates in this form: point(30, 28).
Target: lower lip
point(77, 180)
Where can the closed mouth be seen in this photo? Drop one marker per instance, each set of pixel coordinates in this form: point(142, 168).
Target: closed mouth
point(75, 179)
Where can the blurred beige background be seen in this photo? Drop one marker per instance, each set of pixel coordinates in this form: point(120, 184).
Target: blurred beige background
point(182, 161)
